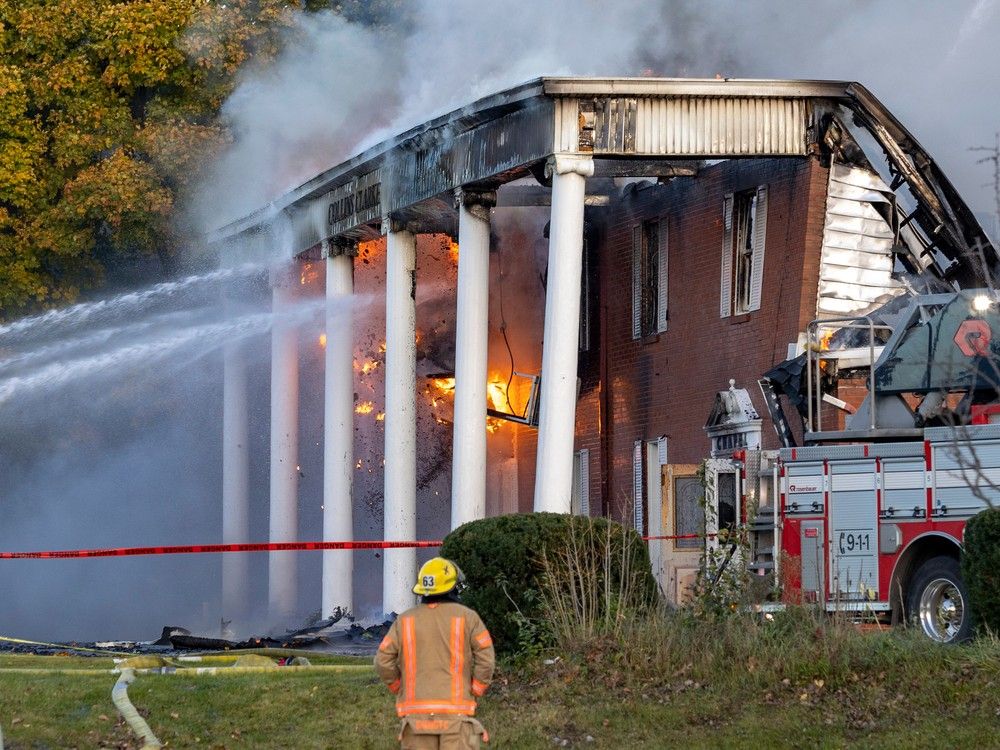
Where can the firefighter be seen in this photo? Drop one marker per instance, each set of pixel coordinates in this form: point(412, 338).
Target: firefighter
point(437, 658)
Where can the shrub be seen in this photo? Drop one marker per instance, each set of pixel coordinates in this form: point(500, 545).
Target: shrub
point(981, 567)
point(505, 558)
point(590, 586)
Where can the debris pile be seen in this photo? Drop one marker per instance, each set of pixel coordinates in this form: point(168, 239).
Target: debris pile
point(326, 636)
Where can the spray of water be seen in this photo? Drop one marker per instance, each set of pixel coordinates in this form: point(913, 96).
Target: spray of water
point(63, 321)
point(117, 360)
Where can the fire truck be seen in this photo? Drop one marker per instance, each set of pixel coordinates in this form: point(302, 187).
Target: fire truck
point(865, 513)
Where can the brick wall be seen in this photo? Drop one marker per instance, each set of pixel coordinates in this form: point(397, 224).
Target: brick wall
point(665, 384)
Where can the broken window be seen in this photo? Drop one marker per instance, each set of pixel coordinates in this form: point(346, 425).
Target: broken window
point(649, 278)
point(745, 226)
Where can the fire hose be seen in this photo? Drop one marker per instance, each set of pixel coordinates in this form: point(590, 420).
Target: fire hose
point(119, 696)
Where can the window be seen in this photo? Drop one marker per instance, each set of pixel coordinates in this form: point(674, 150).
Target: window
point(689, 515)
point(649, 278)
point(745, 227)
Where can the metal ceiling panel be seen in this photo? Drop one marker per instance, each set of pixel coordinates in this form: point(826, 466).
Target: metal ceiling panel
point(701, 126)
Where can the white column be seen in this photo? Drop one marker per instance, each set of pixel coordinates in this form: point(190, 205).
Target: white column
point(468, 468)
point(338, 431)
point(557, 417)
point(235, 482)
point(400, 495)
point(284, 517)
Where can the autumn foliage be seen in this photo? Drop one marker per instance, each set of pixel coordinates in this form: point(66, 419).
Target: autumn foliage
point(108, 111)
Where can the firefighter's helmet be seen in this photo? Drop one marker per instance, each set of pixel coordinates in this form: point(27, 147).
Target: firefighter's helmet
point(437, 576)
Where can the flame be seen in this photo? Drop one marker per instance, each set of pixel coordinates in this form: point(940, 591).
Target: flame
point(368, 365)
point(308, 273)
point(496, 391)
point(445, 385)
point(437, 389)
point(322, 340)
point(453, 252)
point(364, 407)
point(441, 389)
point(380, 417)
point(824, 342)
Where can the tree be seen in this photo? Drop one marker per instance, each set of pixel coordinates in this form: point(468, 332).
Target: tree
point(107, 111)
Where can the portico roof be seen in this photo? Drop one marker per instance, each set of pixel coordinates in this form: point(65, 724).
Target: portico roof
point(628, 126)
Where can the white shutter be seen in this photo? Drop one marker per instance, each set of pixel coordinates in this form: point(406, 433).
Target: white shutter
point(726, 290)
point(661, 279)
point(637, 509)
point(584, 489)
point(661, 450)
point(637, 282)
point(759, 233)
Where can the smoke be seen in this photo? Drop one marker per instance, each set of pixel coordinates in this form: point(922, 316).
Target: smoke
point(341, 86)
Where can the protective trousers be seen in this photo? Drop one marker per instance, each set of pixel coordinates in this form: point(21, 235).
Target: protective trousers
point(441, 733)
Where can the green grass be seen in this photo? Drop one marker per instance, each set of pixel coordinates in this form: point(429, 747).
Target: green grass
point(731, 683)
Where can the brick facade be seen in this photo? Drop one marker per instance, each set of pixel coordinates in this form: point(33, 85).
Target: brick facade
point(664, 385)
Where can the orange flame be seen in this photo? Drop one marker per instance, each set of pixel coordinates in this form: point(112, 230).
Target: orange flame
point(440, 389)
point(496, 391)
point(364, 407)
point(322, 340)
point(453, 252)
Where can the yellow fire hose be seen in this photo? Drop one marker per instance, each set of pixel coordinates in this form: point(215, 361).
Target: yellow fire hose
point(119, 695)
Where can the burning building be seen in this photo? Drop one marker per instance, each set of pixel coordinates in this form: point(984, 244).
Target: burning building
point(606, 256)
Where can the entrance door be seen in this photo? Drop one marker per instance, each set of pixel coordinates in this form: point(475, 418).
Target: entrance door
point(722, 498)
point(683, 514)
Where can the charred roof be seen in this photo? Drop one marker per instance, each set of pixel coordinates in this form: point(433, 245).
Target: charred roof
point(411, 178)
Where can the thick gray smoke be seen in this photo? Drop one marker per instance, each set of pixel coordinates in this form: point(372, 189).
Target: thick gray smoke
point(342, 86)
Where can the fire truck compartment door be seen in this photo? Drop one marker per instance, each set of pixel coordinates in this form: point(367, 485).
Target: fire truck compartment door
point(812, 539)
point(853, 561)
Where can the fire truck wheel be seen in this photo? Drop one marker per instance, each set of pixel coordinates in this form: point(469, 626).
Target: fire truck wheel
point(938, 602)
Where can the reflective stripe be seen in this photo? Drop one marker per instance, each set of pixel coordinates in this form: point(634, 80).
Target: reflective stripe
point(409, 657)
point(484, 640)
point(457, 658)
point(386, 643)
point(479, 688)
point(432, 725)
point(394, 687)
point(433, 707)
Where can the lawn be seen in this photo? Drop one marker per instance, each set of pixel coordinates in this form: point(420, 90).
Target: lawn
point(910, 695)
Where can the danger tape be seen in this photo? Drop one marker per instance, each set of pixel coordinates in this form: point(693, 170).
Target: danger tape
point(193, 549)
point(196, 549)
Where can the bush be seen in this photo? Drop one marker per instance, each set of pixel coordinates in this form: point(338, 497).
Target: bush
point(504, 561)
point(981, 567)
